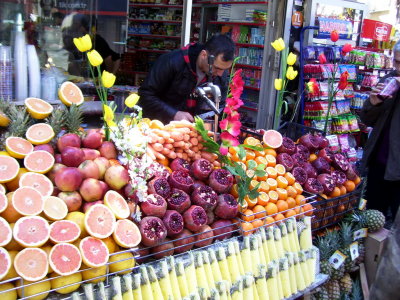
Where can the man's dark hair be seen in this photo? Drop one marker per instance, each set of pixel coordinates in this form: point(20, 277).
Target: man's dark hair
point(221, 43)
point(81, 20)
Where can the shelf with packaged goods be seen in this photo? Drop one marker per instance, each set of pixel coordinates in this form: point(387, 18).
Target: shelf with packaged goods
point(234, 2)
point(249, 108)
point(236, 23)
point(156, 36)
point(249, 45)
point(154, 5)
point(157, 21)
point(251, 88)
point(133, 50)
point(248, 66)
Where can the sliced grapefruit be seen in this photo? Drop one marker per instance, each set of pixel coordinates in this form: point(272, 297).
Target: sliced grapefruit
point(4, 153)
point(64, 231)
point(5, 262)
point(27, 201)
point(38, 108)
point(5, 232)
point(13, 245)
point(55, 208)
point(14, 184)
point(4, 119)
point(2, 189)
point(40, 133)
point(65, 259)
point(117, 204)
point(99, 221)
point(3, 202)
point(37, 181)
point(39, 161)
point(33, 231)
point(10, 214)
point(31, 264)
point(127, 234)
point(9, 168)
point(18, 147)
point(69, 93)
point(272, 139)
point(11, 273)
point(94, 252)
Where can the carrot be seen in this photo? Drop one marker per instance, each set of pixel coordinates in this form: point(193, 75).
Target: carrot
point(178, 150)
point(195, 149)
point(185, 156)
point(179, 144)
point(172, 155)
point(153, 138)
point(179, 155)
point(182, 130)
point(177, 136)
point(194, 141)
point(161, 140)
point(150, 153)
point(216, 164)
point(180, 124)
point(187, 146)
point(162, 133)
point(207, 155)
point(156, 153)
point(169, 146)
point(200, 146)
point(165, 151)
point(197, 156)
point(158, 147)
point(190, 153)
point(170, 140)
point(186, 137)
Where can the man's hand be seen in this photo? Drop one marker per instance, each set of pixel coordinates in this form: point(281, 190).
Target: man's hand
point(373, 96)
point(183, 115)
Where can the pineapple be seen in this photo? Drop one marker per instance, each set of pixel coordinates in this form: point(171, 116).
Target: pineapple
point(263, 260)
point(223, 264)
point(116, 290)
point(254, 253)
point(136, 290)
point(173, 278)
point(223, 289)
point(164, 280)
point(248, 282)
point(57, 120)
point(208, 270)
point(190, 272)
point(214, 294)
point(238, 257)
point(237, 290)
point(304, 232)
point(346, 284)
point(273, 254)
point(101, 291)
point(292, 235)
point(272, 282)
point(127, 287)
point(245, 254)
point(261, 282)
point(325, 252)
point(89, 292)
point(322, 294)
point(278, 242)
point(200, 273)
point(285, 277)
point(146, 292)
point(373, 219)
point(333, 289)
point(20, 121)
point(214, 266)
point(265, 245)
point(285, 237)
point(356, 291)
point(346, 238)
point(182, 281)
point(292, 273)
point(73, 118)
point(232, 262)
point(304, 268)
point(300, 277)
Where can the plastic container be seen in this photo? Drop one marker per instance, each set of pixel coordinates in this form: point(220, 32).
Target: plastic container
point(6, 74)
point(391, 88)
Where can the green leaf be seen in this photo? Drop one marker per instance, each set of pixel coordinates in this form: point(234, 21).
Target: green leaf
point(242, 152)
point(255, 148)
point(261, 167)
point(232, 169)
point(260, 173)
point(254, 192)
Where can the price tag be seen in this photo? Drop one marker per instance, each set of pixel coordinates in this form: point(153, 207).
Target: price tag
point(363, 204)
point(354, 250)
point(359, 234)
point(362, 67)
point(375, 72)
point(337, 259)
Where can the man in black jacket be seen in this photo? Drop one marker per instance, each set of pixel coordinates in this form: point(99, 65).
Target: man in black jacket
point(165, 93)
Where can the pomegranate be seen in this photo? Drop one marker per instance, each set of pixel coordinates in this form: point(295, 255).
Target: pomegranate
point(321, 165)
point(72, 156)
point(327, 182)
point(340, 162)
point(298, 159)
point(205, 238)
point(286, 160)
point(197, 183)
point(303, 151)
point(313, 186)
point(210, 217)
point(205, 197)
point(227, 207)
point(195, 218)
point(327, 154)
point(160, 186)
point(181, 180)
point(58, 158)
point(179, 164)
point(173, 221)
point(310, 141)
point(288, 146)
point(351, 172)
point(143, 252)
point(339, 177)
point(300, 174)
point(324, 142)
point(223, 229)
point(152, 230)
point(69, 139)
point(164, 249)
point(92, 139)
point(220, 180)
point(154, 205)
point(184, 239)
point(44, 147)
point(310, 170)
point(130, 193)
point(201, 169)
point(179, 201)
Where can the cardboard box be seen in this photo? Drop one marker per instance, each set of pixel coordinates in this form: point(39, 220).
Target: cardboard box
point(373, 247)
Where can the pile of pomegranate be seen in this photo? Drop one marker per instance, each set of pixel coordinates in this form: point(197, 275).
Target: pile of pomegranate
point(188, 207)
point(319, 173)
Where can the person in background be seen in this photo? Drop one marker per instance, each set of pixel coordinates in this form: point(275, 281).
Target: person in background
point(381, 153)
point(175, 75)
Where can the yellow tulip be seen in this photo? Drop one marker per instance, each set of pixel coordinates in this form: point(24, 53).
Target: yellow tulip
point(278, 84)
point(111, 124)
point(310, 87)
point(107, 79)
point(83, 43)
point(131, 100)
point(108, 113)
point(278, 44)
point(291, 59)
point(291, 73)
point(95, 58)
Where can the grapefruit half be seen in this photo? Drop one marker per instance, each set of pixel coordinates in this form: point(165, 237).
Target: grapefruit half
point(14, 184)
point(69, 93)
point(38, 108)
point(55, 208)
point(117, 204)
point(5, 232)
point(3, 202)
point(272, 139)
point(64, 231)
point(99, 221)
point(27, 201)
point(37, 181)
point(32, 231)
point(94, 252)
point(2, 188)
point(5, 262)
point(65, 259)
point(9, 168)
point(31, 264)
point(127, 234)
point(18, 147)
point(39, 161)
point(40, 133)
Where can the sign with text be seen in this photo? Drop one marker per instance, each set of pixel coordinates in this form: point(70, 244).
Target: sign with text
point(376, 30)
point(327, 25)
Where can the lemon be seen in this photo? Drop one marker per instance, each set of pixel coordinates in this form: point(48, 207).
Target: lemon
point(10, 295)
point(38, 108)
point(111, 244)
point(61, 281)
point(122, 262)
point(4, 120)
point(78, 218)
point(69, 93)
point(94, 272)
point(34, 289)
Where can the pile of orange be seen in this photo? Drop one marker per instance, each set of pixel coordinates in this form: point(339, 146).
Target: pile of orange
point(280, 196)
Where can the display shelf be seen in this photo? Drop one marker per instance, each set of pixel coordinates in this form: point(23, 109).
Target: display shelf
point(249, 45)
point(236, 23)
point(249, 108)
point(248, 66)
point(154, 5)
point(320, 279)
point(234, 2)
point(133, 50)
point(156, 36)
point(251, 88)
point(157, 21)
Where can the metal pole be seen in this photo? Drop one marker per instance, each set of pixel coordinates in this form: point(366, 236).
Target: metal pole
point(186, 22)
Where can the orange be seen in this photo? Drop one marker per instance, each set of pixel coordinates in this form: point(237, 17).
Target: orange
point(263, 199)
point(298, 188)
point(69, 93)
point(282, 182)
point(250, 154)
point(251, 141)
point(290, 178)
point(38, 108)
point(247, 228)
point(263, 178)
point(264, 186)
point(18, 147)
point(282, 194)
point(291, 202)
point(291, 191)
point(280, 169)
point(242, 207)
point(259, 211)
point(234, 157)
point(117, 204)
point(290, 213)
point(273, 196)
point(312, 157)
point(259, 153)
point(243, 165)
point(271, 209)
point(335, 192)
point(164, 161)
point(271, 160)
point(257, 223)
point(269, 220)
point(269, 151)
point(234, 191)
point(250, 202)
point(273, 184)
point(308, 209)
point(251, 164)
point(282, 205)
point(349, 185)
point(324, 196)
point(271, 172)
point(253, 184)
point(232, 150)
point(342, 190)
point(279, 217)
point(298, 210)
point(261, 160)
point(357, 180)
point(300, 199)
point(250, 173)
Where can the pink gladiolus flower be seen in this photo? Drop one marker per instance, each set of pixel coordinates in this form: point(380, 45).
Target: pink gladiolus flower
point(322, 58)
point(228, 139)
point(231, 125)
point(223, 150)
point(346, 48)
point(343, 80)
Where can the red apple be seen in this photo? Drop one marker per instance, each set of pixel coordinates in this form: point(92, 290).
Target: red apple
point(69, 139)
point(56, 191)
point(108, 150)
point(103, 165)
point(58, 158)
point(54, 171)
point(89, 169)
point(87, 205)
point(91, 190)
point(72, 199)
point(116, 177)
point(105, 188)
point(72, 156)
point(45, 147)
point(90, 153)
point(92, 139)
point(68, 179)
point(130, 193)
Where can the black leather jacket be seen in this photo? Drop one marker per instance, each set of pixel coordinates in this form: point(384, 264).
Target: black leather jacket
point(170, 82)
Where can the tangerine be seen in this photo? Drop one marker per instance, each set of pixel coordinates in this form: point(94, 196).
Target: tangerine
point(273, 196)
point(250, 154)
point(271, 172)
point(271, 209)
point(234, 191)
point(291, 202)
point(279, 217)
point(312, 157)
point(269, 151)
point(251, 141)
point(290, 178)
point(253, 184)
point(290, 213)
point(280, 169)
point(273, 184)
point(308, 209)
point(271, 160)
point(357, 180)
point(263, 178)
point(257, 223)
point(263, 199)
point(298, 188)
point(300, 199)
point(342, 190)
point(259, 153)
point(261, 160)
point(247, 228)
point(282, 205)
point(282, 194)
point(349, 185)
point(250, 202)
point(282, 182)
point(259, 211)
point(291, 191)
point(269, 220)
point(335, 192)
point(264, 187)
point(250, 173)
